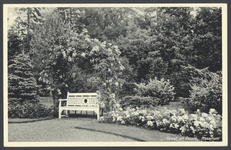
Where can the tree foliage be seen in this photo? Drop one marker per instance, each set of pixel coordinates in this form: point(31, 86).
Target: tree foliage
point(21, 82)
point(84, 49)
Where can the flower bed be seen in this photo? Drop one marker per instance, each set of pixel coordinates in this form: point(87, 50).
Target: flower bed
point(200, 125)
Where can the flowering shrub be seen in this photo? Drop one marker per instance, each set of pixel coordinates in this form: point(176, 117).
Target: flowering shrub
point(206, 94)
point(198, 125)
point(161, 90)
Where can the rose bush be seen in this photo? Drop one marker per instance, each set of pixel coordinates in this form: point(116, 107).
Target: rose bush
point(197, 125)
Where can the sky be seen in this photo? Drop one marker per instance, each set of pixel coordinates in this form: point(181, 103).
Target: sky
point(12, 15)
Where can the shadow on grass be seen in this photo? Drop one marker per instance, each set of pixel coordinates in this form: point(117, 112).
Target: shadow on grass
point(124, 136)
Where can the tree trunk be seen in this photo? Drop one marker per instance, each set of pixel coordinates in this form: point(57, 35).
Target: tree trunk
point(28, 28)
point(55, 99)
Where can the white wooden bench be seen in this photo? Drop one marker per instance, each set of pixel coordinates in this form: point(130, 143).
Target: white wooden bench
point(79, 101)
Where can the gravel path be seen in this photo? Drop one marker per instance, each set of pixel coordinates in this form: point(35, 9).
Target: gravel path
point(58, 131)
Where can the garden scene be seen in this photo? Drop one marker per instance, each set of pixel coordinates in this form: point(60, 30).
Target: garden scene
point(157, 72)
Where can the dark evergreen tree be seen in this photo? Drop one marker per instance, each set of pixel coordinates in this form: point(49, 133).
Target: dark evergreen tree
point(22, 85)
point(207, 41)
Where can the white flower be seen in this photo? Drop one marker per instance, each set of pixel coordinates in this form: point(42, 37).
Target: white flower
point(176, 125)
point(114, 119)
point(149, 117)
point(88, 40)
point(85, 30)
point(83, 54)
point(144, 111)
point(135, 113)
point(104, 43)
point(95, 48)
point(119, 118)
point(173, 118)
point(185, 117)
point(102, 118)
point(179, 118)
point(203, 124)
point(202, 119)
point(212, 110)
point(116, 84)
point(211, 127)
point(204, 115)
point(196, 123)
point(122, 122)
point(191, 127)
point(122, 67)
point(193, 117)
point(182, 111)
point(165, 121)
point(213, 122)
point(150, 123)
point(141, 117)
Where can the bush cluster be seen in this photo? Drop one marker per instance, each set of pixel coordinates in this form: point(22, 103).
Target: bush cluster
point(206, 94)
point(156, 92)
point(138, 101)
point(28, 109)
point(199, 125)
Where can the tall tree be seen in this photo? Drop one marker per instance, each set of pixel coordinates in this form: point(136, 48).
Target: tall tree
point(60, 54)
point(33, 16)
point(207, 39)
point(22, 84)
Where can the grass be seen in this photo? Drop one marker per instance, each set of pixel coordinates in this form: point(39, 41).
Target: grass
point(85, 129)
point(83, 126)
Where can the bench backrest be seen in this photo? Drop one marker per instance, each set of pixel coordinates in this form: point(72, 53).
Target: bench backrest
point(81, 99)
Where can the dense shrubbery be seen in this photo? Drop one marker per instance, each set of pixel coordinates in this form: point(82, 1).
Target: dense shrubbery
point(138, 101)
point(161, 90)
point(206, 94)
point(28, 109)
point(156, 92)
point(199, 125)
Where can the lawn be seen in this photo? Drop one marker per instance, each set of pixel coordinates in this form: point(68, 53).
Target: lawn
point(83, 126)
point(85, 129)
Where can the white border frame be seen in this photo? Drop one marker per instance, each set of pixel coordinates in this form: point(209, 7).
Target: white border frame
point(95, 144)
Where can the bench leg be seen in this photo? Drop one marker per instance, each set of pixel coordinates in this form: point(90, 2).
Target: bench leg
point(67, 113)
point(97, 114)
point(60, 111)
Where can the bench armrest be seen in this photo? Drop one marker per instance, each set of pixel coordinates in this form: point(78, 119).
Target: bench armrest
point(62, 99)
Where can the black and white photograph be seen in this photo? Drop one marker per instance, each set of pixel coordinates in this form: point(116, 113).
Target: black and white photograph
point(115, 75)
